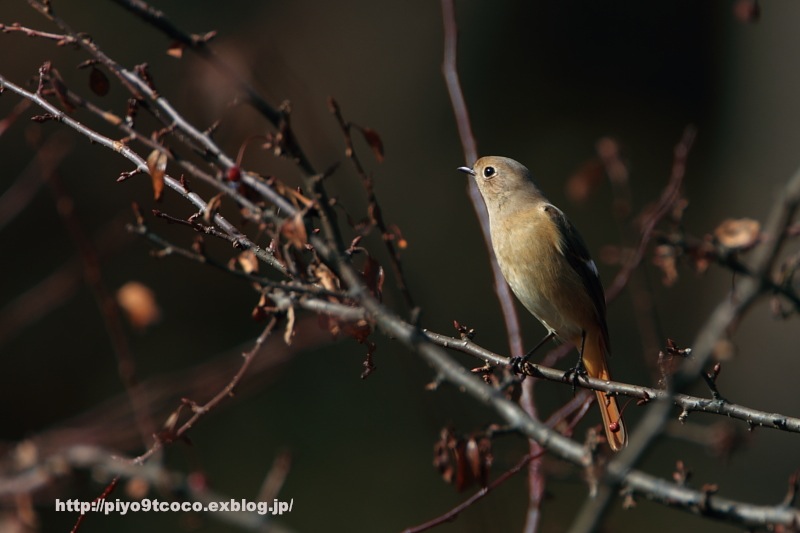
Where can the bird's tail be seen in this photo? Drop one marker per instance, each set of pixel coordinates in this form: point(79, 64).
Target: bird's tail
point(594, 359)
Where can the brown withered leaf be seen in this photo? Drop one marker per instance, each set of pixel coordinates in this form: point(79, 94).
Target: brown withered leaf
point(329, 323)
point(747, 11)
point(462, 461)
point(157, 166)
point(585, 181)
point(61, 91)
point(137, 488)
point(212, 207)
point(289, 331)
point(359, 330)
point(724, 350)
point(738, 234)
point(373, 276)
point(443, 456)
point(176, 49)
point(264, 308)
point(664, 258)
point(294, 230)
point(248, 261)
point(678, 209)
point(325, 277)
point(374, 142)
point(139, 304)
point(98, 82)
point(609, 151)
point(479, 458)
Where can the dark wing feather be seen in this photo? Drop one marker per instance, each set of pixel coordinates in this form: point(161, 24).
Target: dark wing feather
point(577, 254)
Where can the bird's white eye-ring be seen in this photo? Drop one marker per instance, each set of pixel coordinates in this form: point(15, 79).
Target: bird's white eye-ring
point(488, 172)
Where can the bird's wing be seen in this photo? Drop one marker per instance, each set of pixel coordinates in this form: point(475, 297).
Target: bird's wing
point(575, 251)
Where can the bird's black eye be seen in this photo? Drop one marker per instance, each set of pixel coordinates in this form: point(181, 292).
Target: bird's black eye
point(488, 172)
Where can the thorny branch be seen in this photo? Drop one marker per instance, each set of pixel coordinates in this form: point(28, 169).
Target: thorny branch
point(357, 301)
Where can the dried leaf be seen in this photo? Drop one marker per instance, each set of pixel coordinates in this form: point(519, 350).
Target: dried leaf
point(374, 277)
point(98, 82)
point(724, 350)
point(289, 332)
point(747, 11)
point(248, 261)
point(443, 454)
point(61, 91)
point(664, 258)
point(738, 234)
point(212, 207)
point(585, 181)
point(478, 455)
point(139, 304)
point(360, 330)
point(264, 308)
point(157, 166)
point(374, 142)
point(462, 462)
point(609, 151)
point(294, 230)
point(137, 488)
point(325, 277)
point(176, 50)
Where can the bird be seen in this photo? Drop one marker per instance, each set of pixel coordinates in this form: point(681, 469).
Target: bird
point(547, 264)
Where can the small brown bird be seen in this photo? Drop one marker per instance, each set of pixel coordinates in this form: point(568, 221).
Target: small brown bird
point(547, 265)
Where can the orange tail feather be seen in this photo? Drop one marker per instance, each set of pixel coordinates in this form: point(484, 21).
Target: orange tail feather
point(594, 359)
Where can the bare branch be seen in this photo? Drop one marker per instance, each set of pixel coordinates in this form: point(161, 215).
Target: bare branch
point(450, 71)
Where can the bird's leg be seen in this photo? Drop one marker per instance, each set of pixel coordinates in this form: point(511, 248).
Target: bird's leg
point(517, 362)
point(579, 370)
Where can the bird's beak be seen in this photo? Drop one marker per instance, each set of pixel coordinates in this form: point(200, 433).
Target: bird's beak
point(467, 170)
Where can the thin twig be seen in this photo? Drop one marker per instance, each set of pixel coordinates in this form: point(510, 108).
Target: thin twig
point(665, 204)
point(731, 309)
point(687, 403)
point(502, 290)
point(106, 305)
point(457, 510)
point(450, 72)
point(374, 207)
point(198, 411)
point(141, 166)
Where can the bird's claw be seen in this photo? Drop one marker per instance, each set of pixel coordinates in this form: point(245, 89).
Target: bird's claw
point(574, 374)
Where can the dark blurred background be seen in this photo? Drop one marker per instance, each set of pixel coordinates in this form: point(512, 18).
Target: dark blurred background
point(544, 81)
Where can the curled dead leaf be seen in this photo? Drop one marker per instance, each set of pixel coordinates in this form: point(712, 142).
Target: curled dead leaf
point(374, 276)
point(738, 234)
point(289, 331)
point(747, 11)
point(664, 258)
point(98, 82)
point(462, 461)
point(248, 261)
point(176, 49)
point(157, 167)
point(137, 488)
point(139, 304)
point(294, 230)
point(585, 181)
point(374, 142)
point(724, 350)
point(212, 207)
point(325, 277)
